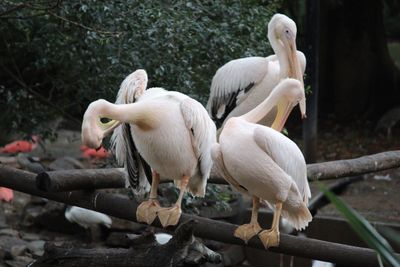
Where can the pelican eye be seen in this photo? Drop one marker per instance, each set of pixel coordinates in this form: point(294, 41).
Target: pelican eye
point(105, 123)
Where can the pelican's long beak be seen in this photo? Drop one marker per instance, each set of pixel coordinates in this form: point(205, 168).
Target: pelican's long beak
point(295, 71)
point(294, 65)
point(302, 105)
point(284, 108)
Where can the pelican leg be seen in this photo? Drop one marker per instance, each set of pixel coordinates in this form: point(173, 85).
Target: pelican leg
point(147, 210)
point(270, 238)
point(247, 231)
point(170, 216)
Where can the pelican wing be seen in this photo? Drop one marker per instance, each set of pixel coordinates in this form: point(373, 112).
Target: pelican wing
point(232, 83)
point(203, 135)
point(125, 150)
point(219, 167)
point(286, 154)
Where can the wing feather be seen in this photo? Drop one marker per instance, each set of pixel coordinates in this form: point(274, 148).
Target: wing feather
point(138, 171)
point(219, 166)
point(232, 83)
point(280, 148)
point(203, 133)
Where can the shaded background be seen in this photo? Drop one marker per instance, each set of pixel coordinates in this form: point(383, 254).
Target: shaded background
point(57, 56)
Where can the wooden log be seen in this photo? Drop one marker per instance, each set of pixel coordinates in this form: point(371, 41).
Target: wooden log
point(59, 181)
point(68, 180)
point(124, 208)
point(143, 252)
point(352, 167)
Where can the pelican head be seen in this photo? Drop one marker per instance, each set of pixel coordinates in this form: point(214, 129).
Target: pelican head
point(289, 93)
point(93, 129)
point(282, 33)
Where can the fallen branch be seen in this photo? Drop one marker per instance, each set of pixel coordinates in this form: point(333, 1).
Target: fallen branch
point(122, 207)
point(352, 167)
point(144, 251)
point(59, 181)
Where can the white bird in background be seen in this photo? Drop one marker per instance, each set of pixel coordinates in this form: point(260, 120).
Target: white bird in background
point(172, 132)
point(86, 218)
point(261, 162)
point(241, 84)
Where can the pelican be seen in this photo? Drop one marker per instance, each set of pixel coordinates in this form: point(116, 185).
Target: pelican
point(138, 172)
point(242, 84)
point(172, 132)
point(263, 163)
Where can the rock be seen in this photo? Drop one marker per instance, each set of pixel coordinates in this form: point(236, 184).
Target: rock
point(7, 242)
point(20, 261)
point(2, 254)
point(29, 164)
point(67, 143)
point(2, 218)
point(30, 236)
point(66, 163)
point(18, 250)
point(36, 247)
point(9, 232)
point(30, 214)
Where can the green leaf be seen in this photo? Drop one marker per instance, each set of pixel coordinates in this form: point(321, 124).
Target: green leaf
point(363, 228)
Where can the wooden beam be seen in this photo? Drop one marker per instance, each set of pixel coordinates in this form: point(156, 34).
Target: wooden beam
point(124, 208)
point(68, 180)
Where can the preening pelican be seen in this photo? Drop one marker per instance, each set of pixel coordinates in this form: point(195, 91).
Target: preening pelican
point(241, 84)
point(263, 163)
point(138, 172)
point(172, 132)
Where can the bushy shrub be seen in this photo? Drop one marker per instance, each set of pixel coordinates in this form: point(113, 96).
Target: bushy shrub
point(57, 56)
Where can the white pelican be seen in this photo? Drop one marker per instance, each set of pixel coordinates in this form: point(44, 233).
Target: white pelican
point(172, 132)
point(265, 164)
point(241, 84)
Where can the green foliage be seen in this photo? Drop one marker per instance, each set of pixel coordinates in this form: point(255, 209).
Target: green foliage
point(217, 196)
point(56, 57)
point(364, 229)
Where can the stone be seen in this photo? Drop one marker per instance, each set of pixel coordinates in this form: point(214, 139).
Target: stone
point(9, 232)
point(2, 253)
point(30, 236)
point(36, 247)
point(18, 250)
point(8, 242)
point(66, 163)
point(20, 261)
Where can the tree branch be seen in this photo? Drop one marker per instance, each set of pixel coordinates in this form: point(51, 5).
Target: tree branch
point(114, 34)
point(352, 167)
point(122, 207)
point(13, 9)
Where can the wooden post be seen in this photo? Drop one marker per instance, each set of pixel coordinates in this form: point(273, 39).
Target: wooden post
point(310, 125)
